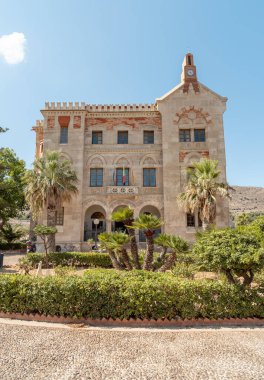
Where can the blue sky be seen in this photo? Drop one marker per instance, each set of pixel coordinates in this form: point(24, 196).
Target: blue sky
point(131, 51)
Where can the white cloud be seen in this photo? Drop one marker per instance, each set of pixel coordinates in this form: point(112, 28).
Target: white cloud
point(12, 47)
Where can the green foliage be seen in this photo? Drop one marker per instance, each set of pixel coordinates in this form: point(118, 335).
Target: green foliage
point(123, 214)
point(230, 251)
point(184, 270)
point(10, 233)
point(42, 230)
point(162, 240)
point(202, 189)
point(25, 264)
point(105, 294)
point(12, 246)
point(12, 170)
point(51, 181)
point(147, 222)
point(247, 218)
point(76, 259)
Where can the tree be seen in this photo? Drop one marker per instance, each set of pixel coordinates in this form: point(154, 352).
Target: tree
point(12, 171)
point(201, 191)
point(162, 241)
point(11, 233)
point(247, 218)
point(107, 242)
point(51, 182)
point(230, 251)
point(149, 224)
point(177, 245)
point(126, 215)
point(44, 232)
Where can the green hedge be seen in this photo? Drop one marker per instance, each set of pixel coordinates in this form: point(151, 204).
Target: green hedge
point(104, 294)
point(78, 259)
point(12, 246)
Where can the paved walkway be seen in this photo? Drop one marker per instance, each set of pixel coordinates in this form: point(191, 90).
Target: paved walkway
point(35, 351)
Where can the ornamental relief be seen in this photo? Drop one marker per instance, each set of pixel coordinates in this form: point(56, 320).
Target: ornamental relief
point(191, 115)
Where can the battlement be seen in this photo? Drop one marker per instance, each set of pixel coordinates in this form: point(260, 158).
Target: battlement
point(99, 107)
point(39, 124)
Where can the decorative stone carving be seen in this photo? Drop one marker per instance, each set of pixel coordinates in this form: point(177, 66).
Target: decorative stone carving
point(96, 162)
point(77, 121)
point(122, 190)
point(51, 122)
point(193, 115)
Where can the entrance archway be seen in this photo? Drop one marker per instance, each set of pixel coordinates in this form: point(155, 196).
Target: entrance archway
point(149, 209)
point(92, 213)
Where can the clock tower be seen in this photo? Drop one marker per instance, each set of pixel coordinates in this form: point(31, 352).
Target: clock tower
point(188, 75)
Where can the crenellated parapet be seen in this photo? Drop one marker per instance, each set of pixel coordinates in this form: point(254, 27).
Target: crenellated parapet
point(99, 107)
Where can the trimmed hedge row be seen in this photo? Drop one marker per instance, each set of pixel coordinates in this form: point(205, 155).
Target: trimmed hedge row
point(104, 294)
point(78, 259)
point(12, 246)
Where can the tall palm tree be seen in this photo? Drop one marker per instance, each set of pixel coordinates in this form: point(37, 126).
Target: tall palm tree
point(126, 215)
point(149, 224)
point(51, 182)
point(177, 245)
point(202, 190)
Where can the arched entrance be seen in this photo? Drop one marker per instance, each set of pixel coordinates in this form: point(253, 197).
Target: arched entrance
point(119, 226)
point(90, 228)
point(149, 210)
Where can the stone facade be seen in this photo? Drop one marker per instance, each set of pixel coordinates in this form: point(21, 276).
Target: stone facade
point(186, 109)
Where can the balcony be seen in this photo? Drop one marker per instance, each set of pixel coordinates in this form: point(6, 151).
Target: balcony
point(130, 190)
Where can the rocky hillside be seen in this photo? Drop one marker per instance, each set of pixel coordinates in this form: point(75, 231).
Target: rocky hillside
point(247, 199)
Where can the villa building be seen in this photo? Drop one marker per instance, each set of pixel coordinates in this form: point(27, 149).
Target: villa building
point(135, 154)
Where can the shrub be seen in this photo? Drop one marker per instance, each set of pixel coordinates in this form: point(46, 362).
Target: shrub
point(105, 294)
point(64, 271)
point(247, 218)
point(77, 259)
point(230, 251)
point(12, 246)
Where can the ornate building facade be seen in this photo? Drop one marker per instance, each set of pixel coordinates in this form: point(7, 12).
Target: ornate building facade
point(135, 154)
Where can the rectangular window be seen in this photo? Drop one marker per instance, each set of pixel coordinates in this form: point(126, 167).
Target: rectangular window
point(97, 137)
point(148, 137)
point(199, 135)
point(64, 135)
point(122, 137)
point(59, 216)
point(185, 135)
point(190, 220)
point(96, 177)
point(149, 177)
point(122, 177)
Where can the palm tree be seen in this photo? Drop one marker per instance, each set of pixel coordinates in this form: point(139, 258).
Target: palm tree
point(202, 190)
point(149, 224)
point(51, 182)
point(126, 215)
point(177, 245)
point(162, 241)
point(115, 243)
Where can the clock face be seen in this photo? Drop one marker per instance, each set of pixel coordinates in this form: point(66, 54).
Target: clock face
point(190, 72)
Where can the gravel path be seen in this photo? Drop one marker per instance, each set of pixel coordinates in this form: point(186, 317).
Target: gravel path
point(30, 352)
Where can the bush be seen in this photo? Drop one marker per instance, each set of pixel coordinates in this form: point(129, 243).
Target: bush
point(105, 294)
point(234, 252)
point(12, 246)
point(77, 259)
point(184, 270)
